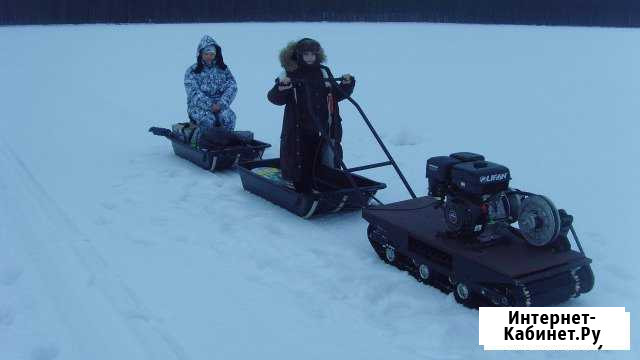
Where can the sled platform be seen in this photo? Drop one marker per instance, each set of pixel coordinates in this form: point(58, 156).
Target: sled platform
point(509, 272)
point(214, 160)
point(218, 159)
point(334, 191)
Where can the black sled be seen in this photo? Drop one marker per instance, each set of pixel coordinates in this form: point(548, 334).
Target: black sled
point(217, 157)
point(460, 238)
point(334, 192)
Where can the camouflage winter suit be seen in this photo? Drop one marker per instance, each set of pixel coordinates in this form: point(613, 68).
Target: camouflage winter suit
point(214, 85)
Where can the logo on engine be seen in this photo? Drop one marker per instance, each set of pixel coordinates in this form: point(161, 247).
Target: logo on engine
point(492, 178)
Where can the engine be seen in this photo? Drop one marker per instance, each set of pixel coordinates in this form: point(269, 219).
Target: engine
point(476, 197)
point(475, 192)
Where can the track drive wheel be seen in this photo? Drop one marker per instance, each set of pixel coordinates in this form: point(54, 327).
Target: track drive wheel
point(585, 274)
point(374, 244)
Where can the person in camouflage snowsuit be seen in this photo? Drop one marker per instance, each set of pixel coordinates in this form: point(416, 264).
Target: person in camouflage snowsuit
point(210, 87)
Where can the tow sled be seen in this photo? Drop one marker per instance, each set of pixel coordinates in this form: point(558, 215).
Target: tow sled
point(460, 238)
point(336, 189)
point(240, 148)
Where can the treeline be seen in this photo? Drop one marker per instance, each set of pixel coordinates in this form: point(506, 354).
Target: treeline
point(619, 13)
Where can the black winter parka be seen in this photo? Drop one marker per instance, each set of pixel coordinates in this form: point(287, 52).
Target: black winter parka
point(311, 108)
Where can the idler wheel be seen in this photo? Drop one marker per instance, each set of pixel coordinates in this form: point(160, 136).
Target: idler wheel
point(424, 273)
point(465, 296)
point(393, 257)
point(390, 254)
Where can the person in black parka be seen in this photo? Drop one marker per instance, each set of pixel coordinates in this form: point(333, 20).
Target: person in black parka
point(311, 108)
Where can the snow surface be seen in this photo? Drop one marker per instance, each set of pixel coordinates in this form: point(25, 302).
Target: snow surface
point(114, 248)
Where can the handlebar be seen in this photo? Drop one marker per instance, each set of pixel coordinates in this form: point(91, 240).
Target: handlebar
point(297, 81)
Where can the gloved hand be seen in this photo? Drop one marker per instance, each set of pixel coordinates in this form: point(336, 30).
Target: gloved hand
point(284, 84)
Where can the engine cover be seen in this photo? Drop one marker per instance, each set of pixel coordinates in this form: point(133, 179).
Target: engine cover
point(439, 174)
point(439, 170)
point(480, 177)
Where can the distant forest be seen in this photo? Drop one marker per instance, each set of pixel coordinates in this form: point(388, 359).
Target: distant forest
point(614, 13)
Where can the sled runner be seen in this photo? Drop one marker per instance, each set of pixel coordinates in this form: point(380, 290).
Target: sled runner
point(334, 191)
point(218, 157)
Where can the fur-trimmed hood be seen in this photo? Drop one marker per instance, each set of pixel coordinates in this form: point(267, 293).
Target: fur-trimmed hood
point(288, 59)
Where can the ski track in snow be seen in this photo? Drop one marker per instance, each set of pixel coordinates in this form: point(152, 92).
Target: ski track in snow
point(156, 341)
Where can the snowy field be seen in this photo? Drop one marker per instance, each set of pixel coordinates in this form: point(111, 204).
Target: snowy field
point(111, 247)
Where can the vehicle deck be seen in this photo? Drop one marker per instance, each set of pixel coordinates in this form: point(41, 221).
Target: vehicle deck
point(512, 257)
